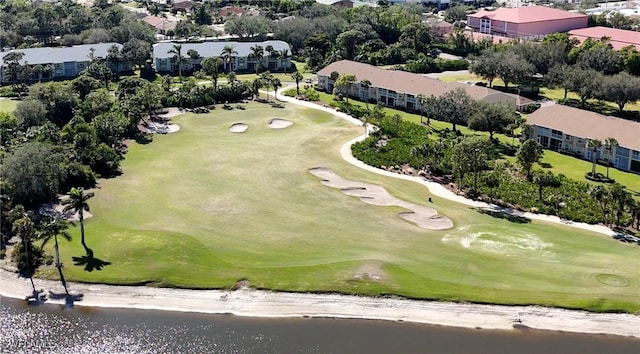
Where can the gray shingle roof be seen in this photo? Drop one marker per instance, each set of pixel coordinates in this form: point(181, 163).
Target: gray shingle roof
point(213, 49)
point(50, 55)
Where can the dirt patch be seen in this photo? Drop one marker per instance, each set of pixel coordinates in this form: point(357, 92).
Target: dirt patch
point(238, 128)
point(371, 271)
point(243, 284)
point(422, 216)
point(278, 123)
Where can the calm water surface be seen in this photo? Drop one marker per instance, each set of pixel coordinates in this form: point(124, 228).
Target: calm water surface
point(53, 329)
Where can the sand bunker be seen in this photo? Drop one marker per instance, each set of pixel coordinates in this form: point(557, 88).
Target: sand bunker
point(169, 112)
point(277, 123)
point(162, 128)
point(422, 216)
point(238, 128)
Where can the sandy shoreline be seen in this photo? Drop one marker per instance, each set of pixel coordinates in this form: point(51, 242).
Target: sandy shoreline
point(257, 303)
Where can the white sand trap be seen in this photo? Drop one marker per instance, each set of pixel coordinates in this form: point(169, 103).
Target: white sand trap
point(238, 128)
point(277, 123)
point(162, 128)
point(422, 216)
point(169, 112)
point(172, 128)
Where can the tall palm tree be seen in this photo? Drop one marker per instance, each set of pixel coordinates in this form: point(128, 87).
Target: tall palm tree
point(610, 144)
point(227, 55)
point(594, 144)
point(269, 49)
point(602, 196)
point(51, 230)
point(257, 54)
point(274, 54)
point(276, 84)
point(284, 54)
point(621, 200)
point(267, 80)
point(422, 101)
point(24, 228)
point(297, 77)
point(178, 57)
point(77, 202)
point(365, 85)
point(211, 66)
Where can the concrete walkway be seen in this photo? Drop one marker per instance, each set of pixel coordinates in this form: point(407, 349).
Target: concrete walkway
point(435, 188)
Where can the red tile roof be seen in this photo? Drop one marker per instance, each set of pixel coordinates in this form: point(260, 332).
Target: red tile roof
point(527, 14)
point(405, 82)
point(586, 124)
point(160, 23)
point(618, 38)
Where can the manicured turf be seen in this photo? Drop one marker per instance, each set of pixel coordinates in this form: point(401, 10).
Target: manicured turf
point(570, 166)
point(8, 105)
point(204, 208)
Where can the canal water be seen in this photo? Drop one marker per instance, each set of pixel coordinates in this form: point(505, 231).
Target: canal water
point(54, 329)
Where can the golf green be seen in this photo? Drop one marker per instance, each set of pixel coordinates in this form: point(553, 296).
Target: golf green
point(205, 208)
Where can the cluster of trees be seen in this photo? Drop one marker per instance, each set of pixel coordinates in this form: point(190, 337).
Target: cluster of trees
point(592, 70)
point(29, 24)
point(382, 35)
point(476, 165)
point(35, 231)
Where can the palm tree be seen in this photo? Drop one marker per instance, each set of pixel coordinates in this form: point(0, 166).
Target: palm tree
point(267, 80)
point(211, 66)
point(52, 229)
point(276, 84)
point(269, 49)
point(422, 152)
point(365, 123)
point(77, 202)
point(193, 55)
point(621, 199)
point(284, 54)
point(422, 101)
point(178, 57)
point(274, 54)
point(227, 55)
point(594, 144)
point(365, 85)
point(231, 77)
point(610, 144)
point(602, 196)
point(257, 54)
point(298, 77)
point(24, 228)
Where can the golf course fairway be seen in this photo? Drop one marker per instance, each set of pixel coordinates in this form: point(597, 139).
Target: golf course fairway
point(206, 207)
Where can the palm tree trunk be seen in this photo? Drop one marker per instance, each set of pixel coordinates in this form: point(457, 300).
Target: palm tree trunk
point(81, 217)
point(59, 265)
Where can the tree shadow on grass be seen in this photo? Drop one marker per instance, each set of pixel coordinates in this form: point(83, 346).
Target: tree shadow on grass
point(504, 214)
point(90, 262)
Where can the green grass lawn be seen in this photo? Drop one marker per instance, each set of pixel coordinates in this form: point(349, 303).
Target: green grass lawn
point(204, 208)
point(8, 105)
point(570, 166)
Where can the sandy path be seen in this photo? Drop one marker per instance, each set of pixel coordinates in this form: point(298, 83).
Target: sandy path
point(422, 216)
point(258, 303)
point(270, 304)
